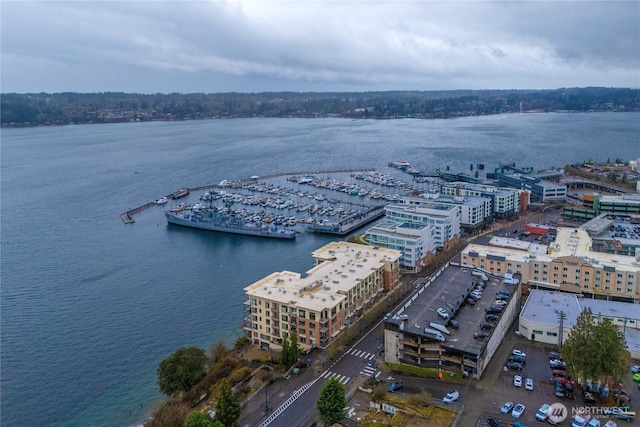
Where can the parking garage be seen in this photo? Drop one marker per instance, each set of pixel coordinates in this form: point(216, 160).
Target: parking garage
point(420, 333)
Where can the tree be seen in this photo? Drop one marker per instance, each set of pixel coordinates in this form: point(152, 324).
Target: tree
point(595, 350)
point(294, 348)
point(228, 407)
point(611, 351)
point(332, 401)
point(285, 354)
point(182, 370)
point(578, 349)
point(198, 419)
point(218, 351)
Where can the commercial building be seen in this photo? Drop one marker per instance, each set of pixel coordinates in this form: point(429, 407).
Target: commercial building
point(594, 205)
point(541, 189)
point(540, 317)
point(414, 241)
point(347, 278)
point(569, 265)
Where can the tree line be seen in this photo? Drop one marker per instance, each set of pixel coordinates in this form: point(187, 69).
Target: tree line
point(38, 109)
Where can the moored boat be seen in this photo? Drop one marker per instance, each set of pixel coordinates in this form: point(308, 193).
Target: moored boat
point(162, 201)
point(210, 219)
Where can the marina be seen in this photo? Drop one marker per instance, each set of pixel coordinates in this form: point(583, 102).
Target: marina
point(335, 202)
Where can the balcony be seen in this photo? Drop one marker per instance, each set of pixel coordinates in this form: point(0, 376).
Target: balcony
point(324, 342)
point(324, 322)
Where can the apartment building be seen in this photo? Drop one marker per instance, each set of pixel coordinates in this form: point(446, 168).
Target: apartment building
point(414, 241)
point(473, 211)
point(569, 265)
point(444, 219)
point(346, 279)
point(505, 202)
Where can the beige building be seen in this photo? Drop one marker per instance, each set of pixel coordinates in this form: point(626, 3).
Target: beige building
point(345, 280)
point(568, 265)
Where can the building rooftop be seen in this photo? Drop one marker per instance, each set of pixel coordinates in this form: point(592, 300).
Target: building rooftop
point(521, 245)
point(544, 307)
point(326, 284)
point(568, 242)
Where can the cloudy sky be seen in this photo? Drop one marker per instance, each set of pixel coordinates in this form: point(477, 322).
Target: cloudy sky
point(254, 46)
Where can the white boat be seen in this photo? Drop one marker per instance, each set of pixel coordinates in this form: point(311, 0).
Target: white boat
point(162, 201)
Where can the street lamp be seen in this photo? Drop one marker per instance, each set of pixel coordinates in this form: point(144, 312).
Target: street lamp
point(266, 400)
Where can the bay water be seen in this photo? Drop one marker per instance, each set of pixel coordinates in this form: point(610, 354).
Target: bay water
point(89, 305)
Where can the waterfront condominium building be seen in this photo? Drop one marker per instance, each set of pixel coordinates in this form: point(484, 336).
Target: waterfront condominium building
point(569, 265)
point(346, 280)
point(445, 219)
point(474, 212)
point(505, 202)
point(414, 241)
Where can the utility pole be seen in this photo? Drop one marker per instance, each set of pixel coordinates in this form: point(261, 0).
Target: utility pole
point(561, 316)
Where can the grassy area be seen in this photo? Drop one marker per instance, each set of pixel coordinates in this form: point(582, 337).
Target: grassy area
point(422, 372)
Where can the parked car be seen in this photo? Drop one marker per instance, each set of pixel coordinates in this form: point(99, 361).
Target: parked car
point(451, 397)
point(519, 359)
point(588, 398)
point(554, 355)
point(500, 303)
point(476, 294)
point(557, 373)
point(454, 323)
point(568, 390)
point(506, 408)
point(517, 381)
point(558, 388)
point(492, 310)
point(491, 317)
point(518, 410)
point(485, 325)
point(501, 297)
point(505, 293)
point(395, 386)
point(558, 364)
point(494, 422)
point(443, 313)
point(528, 384)
point(635, 369)
point(636, 376)
point(518, 424)
point(517, 352)
point(479, 335)
point(470, 301)
point(514, 365)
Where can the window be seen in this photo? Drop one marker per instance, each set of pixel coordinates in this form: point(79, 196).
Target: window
point(537, 332)
point(302, 313)
point(552, 334)
point(312, 316)
point(302, 331)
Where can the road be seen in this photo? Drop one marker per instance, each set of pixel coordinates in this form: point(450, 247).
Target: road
point(352, 368)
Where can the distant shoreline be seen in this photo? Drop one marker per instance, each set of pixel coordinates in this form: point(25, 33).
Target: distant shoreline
point(61, 109)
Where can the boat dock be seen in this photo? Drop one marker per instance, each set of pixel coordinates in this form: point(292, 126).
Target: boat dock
point(346, 227)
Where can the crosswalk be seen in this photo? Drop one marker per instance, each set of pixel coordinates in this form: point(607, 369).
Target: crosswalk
point(361, 353)
point(370, 371)
point(342, 378)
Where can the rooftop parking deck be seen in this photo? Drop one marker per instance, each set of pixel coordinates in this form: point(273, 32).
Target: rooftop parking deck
point(449, 291)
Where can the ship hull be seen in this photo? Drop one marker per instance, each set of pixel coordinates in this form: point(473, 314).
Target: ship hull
point(277, 233)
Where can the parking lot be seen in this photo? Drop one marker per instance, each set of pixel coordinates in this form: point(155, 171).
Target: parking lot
point(496, 387)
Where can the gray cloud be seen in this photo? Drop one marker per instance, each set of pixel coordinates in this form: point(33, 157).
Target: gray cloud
point(163, 46)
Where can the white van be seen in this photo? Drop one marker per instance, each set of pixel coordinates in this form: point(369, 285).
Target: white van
point(543, 413)
point(594, 423)
point(581, 421)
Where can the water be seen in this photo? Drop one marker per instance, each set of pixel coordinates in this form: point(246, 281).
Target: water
point(89, 306)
